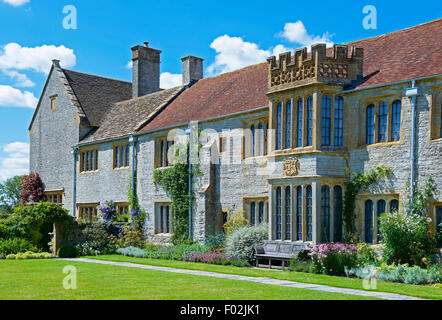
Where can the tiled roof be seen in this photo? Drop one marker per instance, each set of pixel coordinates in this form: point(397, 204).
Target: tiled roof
point(401, 55)
point(126, 117)
point(96, 94)
point(225, 94)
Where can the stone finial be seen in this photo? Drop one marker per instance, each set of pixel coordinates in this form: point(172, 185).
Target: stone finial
point(56, 63)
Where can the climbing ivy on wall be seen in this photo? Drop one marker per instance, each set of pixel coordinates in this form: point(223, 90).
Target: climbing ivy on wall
point(175, 181)
point(359, 182)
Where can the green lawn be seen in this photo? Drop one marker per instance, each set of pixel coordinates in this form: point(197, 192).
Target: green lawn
point(43, 279)
point(427, 292)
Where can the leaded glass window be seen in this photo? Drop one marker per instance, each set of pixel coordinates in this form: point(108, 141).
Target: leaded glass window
point(299, 213)
point(278, 214)
point(279, 126)
point(300, 121)
point(370, 124)
point(252, 129)
point(261, 212)
point(382, 120)
point(309, 213)
point(337, 196)
point(394, 205)
point(326, 120)
point(396, 121)
point(288, 212)
point(382, 206)
point(325, 214)
point(252, 213)
point(310, 121)
point(339, 121)
point(288, 125)
point(261, 139)
point(368, 221)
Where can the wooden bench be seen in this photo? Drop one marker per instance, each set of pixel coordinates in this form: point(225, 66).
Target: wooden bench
point(278, 251)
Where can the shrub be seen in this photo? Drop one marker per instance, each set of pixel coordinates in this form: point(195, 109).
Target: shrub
point(240, 263)
point(208, 257)
point(129, 237)
point(30, 255)
point(366, 255)
point(132, 252)
point(32, 188)
point(241, 243)
point(298, 265)
point(401, 273)
point(35, 223)
point(16, 245)
point(215, 241)
point(405, 237)
point(88, 249)
point(332, 258)
point(405, 233)
point(67, 251)
point(235, 220)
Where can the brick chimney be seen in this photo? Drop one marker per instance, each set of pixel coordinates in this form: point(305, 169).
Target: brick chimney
point(145, 70)
point(192, 69)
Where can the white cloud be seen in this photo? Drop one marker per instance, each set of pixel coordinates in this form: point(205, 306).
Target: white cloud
point(16, 161)
point(12, 97)
point(297, 33)
point(22, 79)
point(16, 3)
point(234, 53)
point(169, 80)
point(15, 57)
point(129, 65)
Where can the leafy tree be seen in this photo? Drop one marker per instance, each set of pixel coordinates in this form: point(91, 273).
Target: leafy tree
point(32, 188)
point(10, 194)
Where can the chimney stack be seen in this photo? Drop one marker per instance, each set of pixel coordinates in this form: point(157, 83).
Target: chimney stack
point(192, 69)
point(145, 70)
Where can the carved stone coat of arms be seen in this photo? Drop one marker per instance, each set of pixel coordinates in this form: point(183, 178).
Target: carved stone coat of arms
point(290, 167)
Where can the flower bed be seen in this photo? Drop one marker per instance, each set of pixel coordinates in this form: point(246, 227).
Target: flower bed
point(332, 258)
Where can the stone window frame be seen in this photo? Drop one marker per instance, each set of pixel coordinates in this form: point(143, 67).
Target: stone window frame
point(316, 96)
point(261, 138)
point(432, 213)
point(50, 196)
point(435, 115)
point(53, 103)
point(376, 101)
point(91, 209)
point(375, 198)
point(125, 164)
point(248, 200)
point(81, 163)
point(294, 209)
point(159, 230)
point(161, 158)
point(122, 207)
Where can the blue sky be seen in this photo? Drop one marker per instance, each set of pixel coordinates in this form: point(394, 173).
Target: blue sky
point(227, 34)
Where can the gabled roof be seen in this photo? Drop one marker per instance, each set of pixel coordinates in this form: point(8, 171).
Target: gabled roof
point(401, 55)
point(97, 94)
point(227, 93)
point(124, 118)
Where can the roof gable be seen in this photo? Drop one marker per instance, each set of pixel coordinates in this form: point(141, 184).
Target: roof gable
point(97, 94)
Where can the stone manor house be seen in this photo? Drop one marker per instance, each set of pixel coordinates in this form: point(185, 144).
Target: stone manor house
point(283, 136)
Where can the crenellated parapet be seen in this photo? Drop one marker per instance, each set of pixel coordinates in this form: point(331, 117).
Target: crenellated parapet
point(321, 65)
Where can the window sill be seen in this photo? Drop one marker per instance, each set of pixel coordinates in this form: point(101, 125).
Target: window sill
point(90, 172)
point(383, 144)
point(163, 235)
point(436, 140)
point(121, 169)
